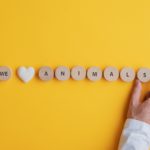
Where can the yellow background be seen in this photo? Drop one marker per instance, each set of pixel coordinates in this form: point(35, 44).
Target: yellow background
point(69, 115)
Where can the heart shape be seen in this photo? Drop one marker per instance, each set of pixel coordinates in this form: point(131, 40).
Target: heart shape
point(26, 74)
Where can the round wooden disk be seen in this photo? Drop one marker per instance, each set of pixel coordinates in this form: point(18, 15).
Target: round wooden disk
point(46, 73)
point(111, 73)
point(78, 73)
point(94, 73)
point(127, 74)
point(5, 73)
point(143, 74)
point(62, 73)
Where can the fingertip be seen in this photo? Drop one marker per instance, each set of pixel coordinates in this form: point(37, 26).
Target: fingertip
point(138, 83)
point(136, 94)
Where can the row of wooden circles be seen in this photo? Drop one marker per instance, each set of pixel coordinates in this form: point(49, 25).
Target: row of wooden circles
point(63, 73)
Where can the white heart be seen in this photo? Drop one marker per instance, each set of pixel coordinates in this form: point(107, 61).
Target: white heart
point(26, 74)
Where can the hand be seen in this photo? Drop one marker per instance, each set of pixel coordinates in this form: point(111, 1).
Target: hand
point(137, 109)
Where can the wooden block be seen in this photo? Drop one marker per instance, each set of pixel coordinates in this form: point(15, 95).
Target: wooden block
point(94, 73)
point(143, 74)
point(111, 73)
point(127, 74)
point(78, 73)
point(62, 73)
point(46, 73)
point(5, 73)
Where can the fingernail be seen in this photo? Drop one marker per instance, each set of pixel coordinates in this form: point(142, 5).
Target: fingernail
point(138, 83)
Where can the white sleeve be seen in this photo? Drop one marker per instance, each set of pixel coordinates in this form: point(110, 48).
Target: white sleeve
point(135, 136)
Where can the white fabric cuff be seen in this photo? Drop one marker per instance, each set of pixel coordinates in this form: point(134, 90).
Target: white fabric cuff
point(138, 127)
point(135, 135)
